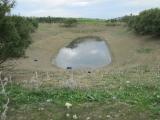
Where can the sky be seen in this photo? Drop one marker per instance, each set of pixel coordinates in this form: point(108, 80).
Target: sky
point(103, 9)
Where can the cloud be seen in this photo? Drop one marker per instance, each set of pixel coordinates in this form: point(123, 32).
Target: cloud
point(51, 12)
point(80, 4)
point(136, 3)
point(83, 8)
point(62, 8)
point(58, 3)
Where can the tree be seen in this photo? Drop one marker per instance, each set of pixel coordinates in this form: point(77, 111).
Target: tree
point(70, 22)
point(14, 32)
point(147, 22)
point(10, 40)
point(5, 7)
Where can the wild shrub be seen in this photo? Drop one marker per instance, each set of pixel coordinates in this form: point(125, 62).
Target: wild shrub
point(10, 40)
point(50, 19)
point(14, 32)
point(147, 22)
point(34, 22)
point(70, 22)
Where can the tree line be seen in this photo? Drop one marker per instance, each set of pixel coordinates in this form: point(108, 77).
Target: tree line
point(50, 19)
point(14, 32)
point(146, 23)
point(66, 22)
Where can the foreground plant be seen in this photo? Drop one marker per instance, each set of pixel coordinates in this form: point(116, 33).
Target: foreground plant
point(5, 95)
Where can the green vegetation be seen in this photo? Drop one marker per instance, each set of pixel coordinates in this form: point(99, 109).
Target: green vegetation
point(14, 32)
point(142, 95)
point(67, 22)
point(144, 50)
point(147, 22)
point(89, 21)
point(120, 89)
point(70, 22)
point(134, 89)
point(34, 22)
point(50, 19)
point(112, 22)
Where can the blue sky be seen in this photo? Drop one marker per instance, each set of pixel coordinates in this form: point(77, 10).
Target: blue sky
point(82, 8)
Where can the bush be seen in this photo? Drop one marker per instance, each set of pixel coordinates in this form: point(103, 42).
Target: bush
point(147, 22)
point(113, 22)
point(34, 22)
point(15, 36)
point(5, 6)
point(70, 22)
point(10, 40)
point(14, 32)
point(50, 19)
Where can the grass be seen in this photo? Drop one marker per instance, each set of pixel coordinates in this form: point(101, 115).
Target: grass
point(144, 50)
point(91, 21)
point(141, 97)
point(113, 23)
point(123, 44)
point(128, 89)
point(136, 90)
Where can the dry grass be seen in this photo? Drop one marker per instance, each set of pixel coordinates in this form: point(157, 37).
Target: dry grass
point(133, 76)
point(49, 39)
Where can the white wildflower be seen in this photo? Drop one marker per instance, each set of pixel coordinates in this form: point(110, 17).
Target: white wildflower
point(68, 105)
point(128, 82)
point(67, 115)
point(75, 117)
point(114, 97)
point(49, 100)
point(108, 116)
point(88, 118)
point(41, 109)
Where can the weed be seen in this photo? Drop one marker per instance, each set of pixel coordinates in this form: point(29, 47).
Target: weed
point(144, 50)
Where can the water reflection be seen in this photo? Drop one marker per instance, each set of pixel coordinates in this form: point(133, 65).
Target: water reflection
point(90, 53)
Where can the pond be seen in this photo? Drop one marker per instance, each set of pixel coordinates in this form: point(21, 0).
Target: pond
point(84, 53)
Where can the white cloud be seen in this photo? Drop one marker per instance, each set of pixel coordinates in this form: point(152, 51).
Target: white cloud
point(80, 4)
point(52, 12)
point(142, 2)
point(58, 3)
point(83, 8)
point(52, 7)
